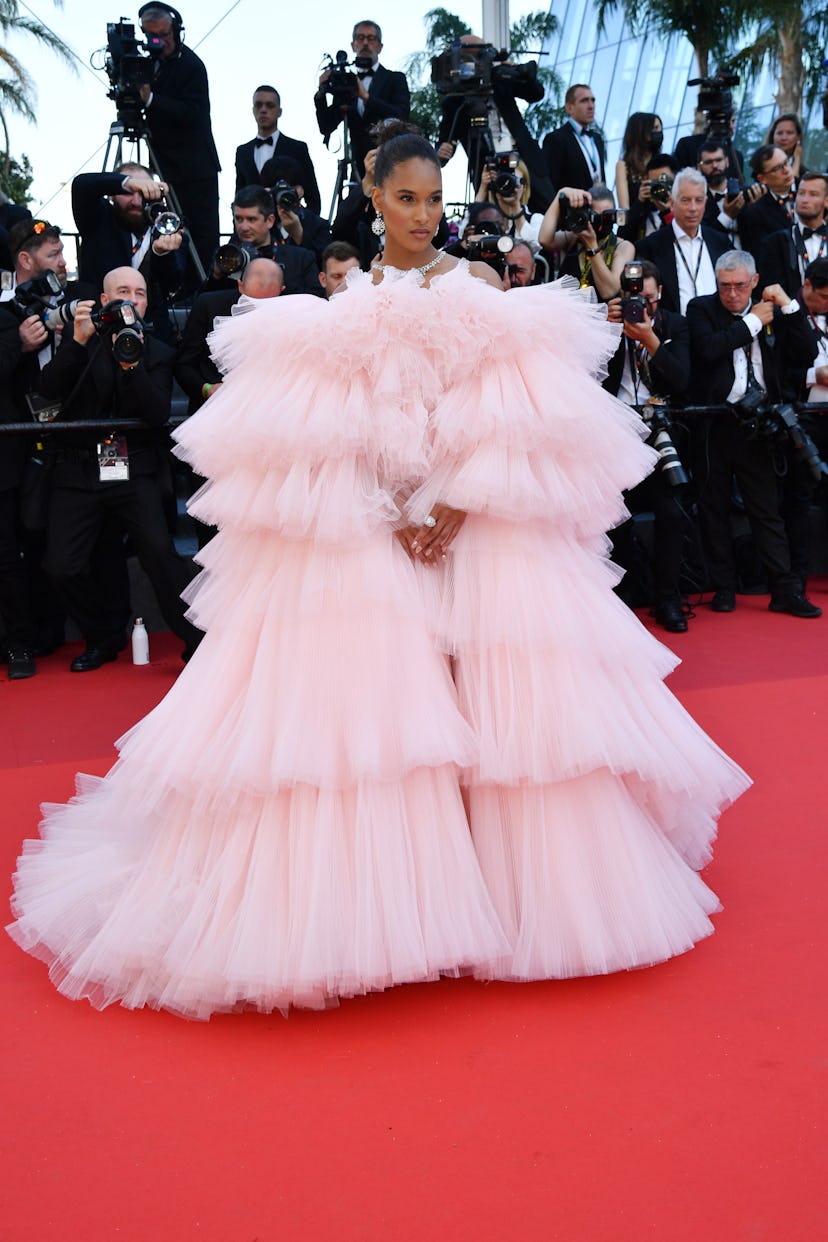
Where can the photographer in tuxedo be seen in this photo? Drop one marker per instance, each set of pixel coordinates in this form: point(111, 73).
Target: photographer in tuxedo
point(653, 361)
point(376, 94)
point(738, 353)
point(105, 374)
point(178, 113)
point(269, 144)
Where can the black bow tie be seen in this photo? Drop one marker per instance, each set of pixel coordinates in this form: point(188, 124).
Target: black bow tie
point(717, 198)
point(263, 142)
point(365, 73)
point(822, 231)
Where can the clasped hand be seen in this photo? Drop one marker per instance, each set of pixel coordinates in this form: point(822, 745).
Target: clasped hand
point(428, 544)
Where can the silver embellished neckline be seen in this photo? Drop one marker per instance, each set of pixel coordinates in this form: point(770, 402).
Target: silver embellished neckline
point(424, 270)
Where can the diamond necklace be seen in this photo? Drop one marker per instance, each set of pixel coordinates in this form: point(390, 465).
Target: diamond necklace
point(424, 270)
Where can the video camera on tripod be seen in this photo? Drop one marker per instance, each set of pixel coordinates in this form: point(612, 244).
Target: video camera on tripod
point(474, 68)
point(130, 64)
point(342, 83)
point(716, 102)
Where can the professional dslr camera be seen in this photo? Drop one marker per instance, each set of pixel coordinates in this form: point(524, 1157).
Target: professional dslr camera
point(35, 296)
point(778, 424)
point(633, 302)
point(579, 219)
point(232, 259)
point(716, 102)
point(503, 165)
point(660, 427)
point(161, 218)
point(474, 68)
point(661, 189)
point(493, 247)
point(285, 196)
point(119, 320)
point(130, 64)
point(342, 84)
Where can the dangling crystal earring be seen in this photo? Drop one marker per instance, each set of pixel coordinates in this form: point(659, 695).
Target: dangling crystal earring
point(378, 225)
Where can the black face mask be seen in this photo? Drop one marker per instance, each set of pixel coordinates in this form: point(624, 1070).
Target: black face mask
point(656, 140)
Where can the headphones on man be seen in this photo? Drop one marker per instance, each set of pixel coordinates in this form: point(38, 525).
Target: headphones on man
point(175, 17)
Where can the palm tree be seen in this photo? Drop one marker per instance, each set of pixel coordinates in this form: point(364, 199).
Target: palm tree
point(17, 91)
point(791, 39)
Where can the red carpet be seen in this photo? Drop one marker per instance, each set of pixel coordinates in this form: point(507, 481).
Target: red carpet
point(681, 1104)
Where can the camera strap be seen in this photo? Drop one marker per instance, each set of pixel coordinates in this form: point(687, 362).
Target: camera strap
point(639, 368)
point(694, 276)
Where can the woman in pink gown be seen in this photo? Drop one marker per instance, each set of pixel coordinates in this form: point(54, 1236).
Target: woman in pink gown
point(420, 468)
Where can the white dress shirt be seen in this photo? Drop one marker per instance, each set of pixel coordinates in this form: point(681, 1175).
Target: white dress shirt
point(696, 276)
point(265, 151)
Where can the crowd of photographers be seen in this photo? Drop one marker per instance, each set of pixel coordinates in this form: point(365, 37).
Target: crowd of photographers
point(715, 270)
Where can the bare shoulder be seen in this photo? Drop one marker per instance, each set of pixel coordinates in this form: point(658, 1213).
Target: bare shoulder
point(482, 271)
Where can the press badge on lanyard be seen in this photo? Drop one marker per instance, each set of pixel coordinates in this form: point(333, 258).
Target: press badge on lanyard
point(113, 460)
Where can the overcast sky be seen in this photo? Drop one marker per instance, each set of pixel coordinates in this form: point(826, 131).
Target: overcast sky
point(255, 42)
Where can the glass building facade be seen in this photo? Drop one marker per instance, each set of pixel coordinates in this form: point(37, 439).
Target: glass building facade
point(647, 74)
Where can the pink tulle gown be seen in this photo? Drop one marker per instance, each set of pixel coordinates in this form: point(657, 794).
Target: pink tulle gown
point(287, 826)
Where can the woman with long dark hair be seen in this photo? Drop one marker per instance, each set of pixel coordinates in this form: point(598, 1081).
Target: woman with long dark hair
point(643, 137)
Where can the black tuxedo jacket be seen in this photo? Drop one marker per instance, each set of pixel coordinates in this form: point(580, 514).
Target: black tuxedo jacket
point(714, 336)
point(669, 365)
point(195, 366)
point(12, 448)
point(659, 248)
point(179, 119)
point(766, 215)
point(286, 148)
point(388, 97)
point(565, 160)
point(782, 260)
point(105, 391)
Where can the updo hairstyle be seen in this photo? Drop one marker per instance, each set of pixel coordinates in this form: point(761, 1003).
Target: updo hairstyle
point(398, 141)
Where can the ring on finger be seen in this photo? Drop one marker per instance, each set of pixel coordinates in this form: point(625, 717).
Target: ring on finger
point(430, 521)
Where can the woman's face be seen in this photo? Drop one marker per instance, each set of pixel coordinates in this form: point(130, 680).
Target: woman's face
point(785, 136)
point(411, 202)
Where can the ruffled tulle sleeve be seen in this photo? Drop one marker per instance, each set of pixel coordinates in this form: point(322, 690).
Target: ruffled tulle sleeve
point(306, 435)
point(522, 428)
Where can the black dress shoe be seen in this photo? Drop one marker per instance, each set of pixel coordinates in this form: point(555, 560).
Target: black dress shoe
point(21, 664)
point(93, 658)
point(795, 605)
point(669, 614)
point(723, 601)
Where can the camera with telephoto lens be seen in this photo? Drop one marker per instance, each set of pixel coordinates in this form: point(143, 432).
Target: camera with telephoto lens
point(285, 196)
point(491, 248)
point(232, 259)
point(37, 297)
point(779, 424)
point(660, 438)
point(633, 303)
point(342, 84)
point(474, 68)
point(503, 165)
point(579, 219)
point(130, 64)
point(120, 321)
point(163, 221)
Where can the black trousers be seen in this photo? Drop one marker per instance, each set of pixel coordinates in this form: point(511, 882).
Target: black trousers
point(654, 494)
point(76, 518)
point(199, 204)
point(799, 492)
point(15, 597)
point(722, 449)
